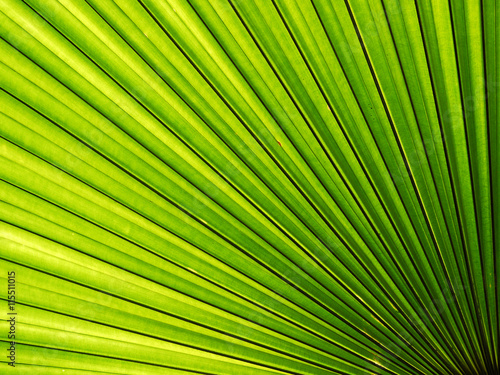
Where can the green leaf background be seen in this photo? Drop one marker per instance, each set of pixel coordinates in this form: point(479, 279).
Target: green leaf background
point(250, 186)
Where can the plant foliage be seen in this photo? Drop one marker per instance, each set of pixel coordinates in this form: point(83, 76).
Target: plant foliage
point(250, 186)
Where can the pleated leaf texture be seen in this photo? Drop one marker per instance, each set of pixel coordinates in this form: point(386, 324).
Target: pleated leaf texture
point(249, 187)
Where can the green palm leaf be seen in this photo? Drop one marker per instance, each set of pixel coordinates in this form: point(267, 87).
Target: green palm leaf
point(249, 187)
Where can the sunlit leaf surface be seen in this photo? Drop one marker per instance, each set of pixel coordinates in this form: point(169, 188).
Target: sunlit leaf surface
point(250, 186)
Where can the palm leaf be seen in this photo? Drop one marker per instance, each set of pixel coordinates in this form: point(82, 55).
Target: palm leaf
point(251, 187)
